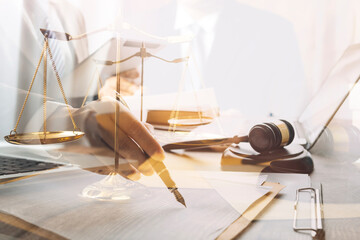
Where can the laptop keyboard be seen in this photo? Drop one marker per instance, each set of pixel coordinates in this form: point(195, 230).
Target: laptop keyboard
point(11, 165)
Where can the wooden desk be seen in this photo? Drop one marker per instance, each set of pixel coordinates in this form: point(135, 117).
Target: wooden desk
point(339, 177)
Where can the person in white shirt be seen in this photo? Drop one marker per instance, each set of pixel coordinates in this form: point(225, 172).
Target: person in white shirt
point(21, 44)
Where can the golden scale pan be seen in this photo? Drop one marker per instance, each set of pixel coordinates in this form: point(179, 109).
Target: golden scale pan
point(44, 137)
point(33, 138)
point(190, 122)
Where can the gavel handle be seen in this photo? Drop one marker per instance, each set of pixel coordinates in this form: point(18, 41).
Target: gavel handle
point(204, 143)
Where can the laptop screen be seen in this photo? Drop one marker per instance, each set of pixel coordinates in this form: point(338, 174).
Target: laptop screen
point(327, 101)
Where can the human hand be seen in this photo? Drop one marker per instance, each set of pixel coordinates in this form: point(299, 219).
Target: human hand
point(136, 143)
point(128, 84)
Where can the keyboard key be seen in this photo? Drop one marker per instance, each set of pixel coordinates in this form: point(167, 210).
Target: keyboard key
point(10, 165)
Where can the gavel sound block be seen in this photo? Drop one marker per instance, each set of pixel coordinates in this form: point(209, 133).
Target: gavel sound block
point(290, 159)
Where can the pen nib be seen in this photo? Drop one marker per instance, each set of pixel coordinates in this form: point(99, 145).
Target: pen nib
point(178, 196)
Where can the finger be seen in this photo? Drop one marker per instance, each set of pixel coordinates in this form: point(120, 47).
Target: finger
point(124, 83)
point(105, 91)
point(132, 127)
point(125, 168)
point(150, 127)
point(125, 171)
point(127, 148)
point(141, 135)
point(131, 174)
point(131, 73)
point(126, 87)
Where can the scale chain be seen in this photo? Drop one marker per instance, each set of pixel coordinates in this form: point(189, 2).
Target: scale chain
point(61, 87)
point(44, 90)
point(29, 90)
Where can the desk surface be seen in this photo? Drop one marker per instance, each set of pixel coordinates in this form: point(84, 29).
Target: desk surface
point(339, 178)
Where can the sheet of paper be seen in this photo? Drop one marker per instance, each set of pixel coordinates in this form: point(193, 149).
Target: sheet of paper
point(237, 188)
point(53, 202)
point(249, 215)
point(292, 181)
point(284, 205)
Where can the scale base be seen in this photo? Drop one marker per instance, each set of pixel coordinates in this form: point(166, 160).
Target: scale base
point(114, 187)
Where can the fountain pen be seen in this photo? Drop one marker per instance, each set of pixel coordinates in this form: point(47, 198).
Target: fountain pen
point(164, 174)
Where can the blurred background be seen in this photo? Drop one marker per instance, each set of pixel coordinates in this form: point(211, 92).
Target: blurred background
point(269, 56)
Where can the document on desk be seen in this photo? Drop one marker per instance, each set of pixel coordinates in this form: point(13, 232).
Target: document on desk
point(53, 202)
point(238, 188)
point(284, 207)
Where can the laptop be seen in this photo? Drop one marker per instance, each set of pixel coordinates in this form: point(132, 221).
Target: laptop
point(321, 110)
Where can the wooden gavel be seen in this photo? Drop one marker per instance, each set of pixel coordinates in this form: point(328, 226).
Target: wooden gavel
point(263, 137)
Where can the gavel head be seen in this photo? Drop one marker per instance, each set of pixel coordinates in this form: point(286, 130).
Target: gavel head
point(266, 137)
